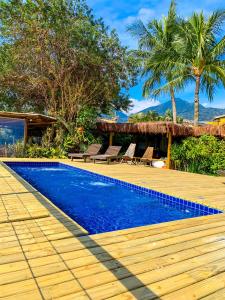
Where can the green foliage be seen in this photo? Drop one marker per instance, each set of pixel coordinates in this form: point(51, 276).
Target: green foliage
point(36, 151)
point(152, 116)
point(155, 46)
point(205, 155)
point(200, 44)
point(55, 56)
point(17, 150)
point(174, 52)
point(78, 133)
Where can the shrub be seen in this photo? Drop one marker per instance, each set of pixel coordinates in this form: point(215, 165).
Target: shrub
point(16, 150)
point(36, 151)
point(205, 155)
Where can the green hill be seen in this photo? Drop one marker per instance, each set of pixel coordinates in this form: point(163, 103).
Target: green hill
point(185, 109)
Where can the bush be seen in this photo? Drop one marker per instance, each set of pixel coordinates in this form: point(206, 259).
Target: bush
point(36, 151)
point(205, 155)
point(16, 150)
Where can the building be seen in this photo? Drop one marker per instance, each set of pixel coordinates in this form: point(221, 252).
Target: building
point(19, 127)
point(219, 120)
point(159, 135)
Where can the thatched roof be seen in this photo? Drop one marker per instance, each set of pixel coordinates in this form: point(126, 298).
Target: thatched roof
point(31, 118)
point(162, 128)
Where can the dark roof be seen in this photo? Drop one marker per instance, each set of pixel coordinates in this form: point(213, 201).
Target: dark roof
point(162, 128)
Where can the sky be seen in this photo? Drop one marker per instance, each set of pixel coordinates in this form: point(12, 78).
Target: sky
point(118, 14)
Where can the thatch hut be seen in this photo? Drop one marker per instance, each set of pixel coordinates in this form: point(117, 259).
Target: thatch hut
point(16, 126)
point(163, 129)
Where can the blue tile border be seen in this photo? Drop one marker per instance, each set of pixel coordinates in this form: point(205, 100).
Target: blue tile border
point(163, 198)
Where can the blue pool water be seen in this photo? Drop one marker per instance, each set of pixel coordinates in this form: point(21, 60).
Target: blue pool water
point(100, 204)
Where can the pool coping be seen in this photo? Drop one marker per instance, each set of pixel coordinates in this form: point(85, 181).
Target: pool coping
point(165, 198)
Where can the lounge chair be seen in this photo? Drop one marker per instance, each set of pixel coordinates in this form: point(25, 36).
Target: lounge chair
point(147, 156)
point(91, 150)
point(129, 154)
point(110, 154)
point(221, 172)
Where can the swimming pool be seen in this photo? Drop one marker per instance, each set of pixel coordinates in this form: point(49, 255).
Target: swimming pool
point(101, 204)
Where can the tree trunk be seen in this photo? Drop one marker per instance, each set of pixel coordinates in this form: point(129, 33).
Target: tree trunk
point(196, 104)
point(174, 109)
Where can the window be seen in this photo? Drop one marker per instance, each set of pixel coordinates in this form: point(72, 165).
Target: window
point(11, 131)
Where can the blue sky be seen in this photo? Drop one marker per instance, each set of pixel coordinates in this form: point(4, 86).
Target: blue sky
point(119, 13)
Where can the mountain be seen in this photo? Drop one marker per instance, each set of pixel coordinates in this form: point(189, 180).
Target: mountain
point(185, 109)
point(119, 115)
point(122, 117)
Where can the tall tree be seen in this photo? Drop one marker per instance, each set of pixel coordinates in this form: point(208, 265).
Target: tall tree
point(201, 47)
point(155, 46)
point(56, 57)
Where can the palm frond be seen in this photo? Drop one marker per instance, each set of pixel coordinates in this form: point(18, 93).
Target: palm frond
point(218, 49)
point(177, 83)
point(215, 22)
point(217, 71)
point(145, 38)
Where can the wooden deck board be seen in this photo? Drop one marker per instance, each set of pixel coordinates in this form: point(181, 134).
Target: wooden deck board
point(43, 256)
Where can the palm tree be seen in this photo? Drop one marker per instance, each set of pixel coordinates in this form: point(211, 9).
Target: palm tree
point(201, 53)
point(155, 46)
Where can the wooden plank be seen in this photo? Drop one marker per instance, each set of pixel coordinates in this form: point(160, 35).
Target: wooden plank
point(219, 294)
point(68, 245)
point(13, 267)
point(61, 289)
point(18, 288)
point(53, 279)
point(89, 281)
point(198, 290)
point(82, 260)
point(19, 275)
point(131, 283)
point(34, 295)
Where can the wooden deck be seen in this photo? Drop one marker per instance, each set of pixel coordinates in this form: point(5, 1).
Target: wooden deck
point(44, 256)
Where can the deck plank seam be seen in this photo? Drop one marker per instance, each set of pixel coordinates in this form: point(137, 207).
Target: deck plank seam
point(27, 261)
point(84, 290)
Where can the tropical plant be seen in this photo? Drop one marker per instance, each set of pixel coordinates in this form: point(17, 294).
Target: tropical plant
point(204, 155)
point(37, 151)
point(200, 43)
point(152, 116)
point(144, 117)
point(155, 46)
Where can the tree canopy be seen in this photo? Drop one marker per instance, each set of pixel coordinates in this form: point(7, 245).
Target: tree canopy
point(56, 57)
point(174, 51)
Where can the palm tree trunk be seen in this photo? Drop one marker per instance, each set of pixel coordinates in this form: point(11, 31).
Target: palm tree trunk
point(174, 109)
point(196, 104)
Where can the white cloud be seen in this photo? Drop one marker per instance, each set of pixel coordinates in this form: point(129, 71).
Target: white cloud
point(139, 105)
point(144, 14)
point(213, 105)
